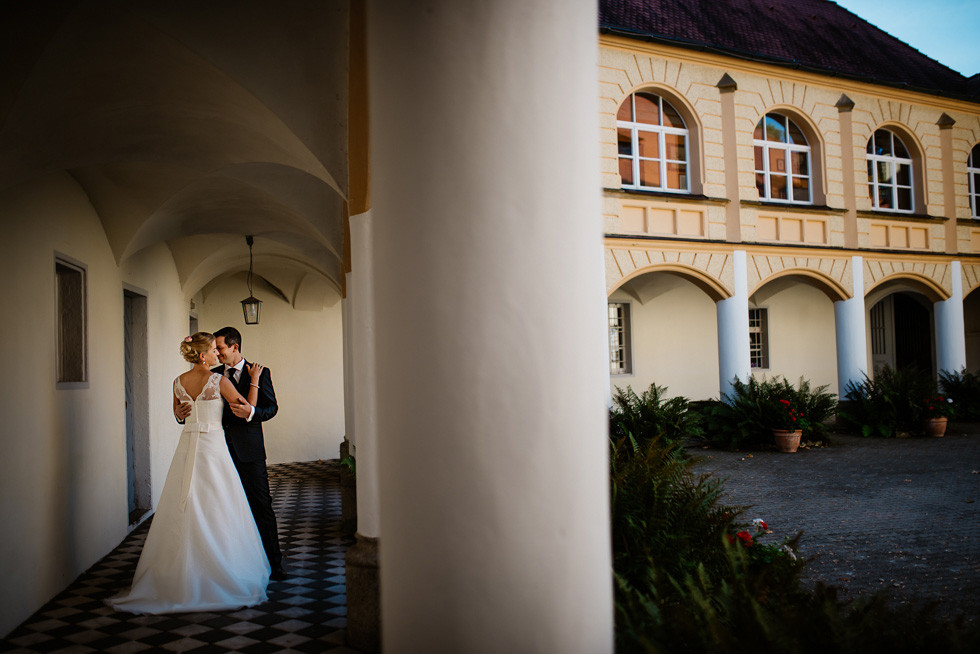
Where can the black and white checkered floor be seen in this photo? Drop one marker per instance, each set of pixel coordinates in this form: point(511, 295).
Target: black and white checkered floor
point(305, 613)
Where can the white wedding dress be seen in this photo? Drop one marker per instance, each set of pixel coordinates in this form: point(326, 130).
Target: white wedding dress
point(203, 550)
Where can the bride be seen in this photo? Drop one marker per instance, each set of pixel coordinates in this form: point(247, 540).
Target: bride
point(203, 550)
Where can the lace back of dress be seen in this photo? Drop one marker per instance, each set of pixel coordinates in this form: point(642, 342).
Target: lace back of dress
point(212, 389)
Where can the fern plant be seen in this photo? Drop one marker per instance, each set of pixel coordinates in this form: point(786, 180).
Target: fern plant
point(888, 405)
point(652, 414)
point(964, 389)
point(744, 418)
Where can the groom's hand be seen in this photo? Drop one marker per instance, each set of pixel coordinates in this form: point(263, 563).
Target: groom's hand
point(183, 410)
point(242, 409)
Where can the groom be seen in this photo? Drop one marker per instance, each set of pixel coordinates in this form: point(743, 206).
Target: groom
point(243, 432)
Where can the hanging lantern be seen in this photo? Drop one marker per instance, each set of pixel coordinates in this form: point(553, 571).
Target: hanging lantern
point(251, 306)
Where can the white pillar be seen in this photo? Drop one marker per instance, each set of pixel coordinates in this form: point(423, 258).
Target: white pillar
point(364, 374)
point(852, 340)
point(950, 327)
point(488, 270)
point(733, 329)
point(345, 312)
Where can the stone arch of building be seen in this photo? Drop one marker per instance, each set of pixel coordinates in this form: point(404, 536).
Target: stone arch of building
point(917, 153)
point(691, 120)
point(818, 280)
point(971, 278)
point(818, 149)
point(905, 281)
point(711, 286)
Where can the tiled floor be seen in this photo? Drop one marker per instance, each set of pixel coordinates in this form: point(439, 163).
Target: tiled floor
point(305, 613)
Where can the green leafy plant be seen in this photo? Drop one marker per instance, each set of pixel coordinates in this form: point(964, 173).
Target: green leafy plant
point(745, 418)
point(964, 389)
point(888, 405)
point(652, 414)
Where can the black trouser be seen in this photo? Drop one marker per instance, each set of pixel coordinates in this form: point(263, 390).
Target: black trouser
point(255, 481)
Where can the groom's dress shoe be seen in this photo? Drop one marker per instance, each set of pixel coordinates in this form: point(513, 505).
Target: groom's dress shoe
point(278, 574)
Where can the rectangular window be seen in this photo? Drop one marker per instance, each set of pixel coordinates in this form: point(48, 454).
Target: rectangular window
point(759, 338)
point(878, 329)
point(620, 357)
point(70, 316)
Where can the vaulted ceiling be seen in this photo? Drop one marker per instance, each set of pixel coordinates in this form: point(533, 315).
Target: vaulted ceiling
point(190, 123)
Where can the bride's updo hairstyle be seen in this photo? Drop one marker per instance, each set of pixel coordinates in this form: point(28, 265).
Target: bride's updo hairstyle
point(192, 347)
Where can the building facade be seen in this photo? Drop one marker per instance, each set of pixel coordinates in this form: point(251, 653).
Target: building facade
point(765, 217)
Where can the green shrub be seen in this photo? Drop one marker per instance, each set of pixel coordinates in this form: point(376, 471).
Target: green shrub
point(964, 389)
point(745, 418)
point(650, 415)
point(889, 405)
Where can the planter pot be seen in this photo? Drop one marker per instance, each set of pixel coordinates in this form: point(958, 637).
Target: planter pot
point(787, 441)
point(934, 427)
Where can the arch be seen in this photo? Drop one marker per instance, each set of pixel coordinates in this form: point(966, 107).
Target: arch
point(818, 148)
point(906, 281)
point(711, 286)
point(818, 280)
point(692, 122)
point(917, 154)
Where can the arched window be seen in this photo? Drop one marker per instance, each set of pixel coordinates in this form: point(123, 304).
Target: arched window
point(653, 145)
point(973, 172)
point(889, 173)
point(782, 161)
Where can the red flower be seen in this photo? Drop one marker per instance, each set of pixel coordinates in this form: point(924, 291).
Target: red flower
point(745, 538)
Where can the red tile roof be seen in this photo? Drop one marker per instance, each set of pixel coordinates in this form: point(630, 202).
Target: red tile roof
point(814, 35)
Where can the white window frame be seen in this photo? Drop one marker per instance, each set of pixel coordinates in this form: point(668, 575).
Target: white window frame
point(759, 350)
point(972, 172)
point(661, 131)
point(620, 338)
point(893, 162)
point(788, 149)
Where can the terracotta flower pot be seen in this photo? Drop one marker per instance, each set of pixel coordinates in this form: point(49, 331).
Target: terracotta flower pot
point(786, 440)
point(935, 427)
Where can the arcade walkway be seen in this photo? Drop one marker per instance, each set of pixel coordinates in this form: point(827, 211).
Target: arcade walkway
point(305, 613)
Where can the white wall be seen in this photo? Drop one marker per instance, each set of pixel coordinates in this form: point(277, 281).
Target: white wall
point(304, 350)
point(802, 336)
point(64, 462)
point(675, 339)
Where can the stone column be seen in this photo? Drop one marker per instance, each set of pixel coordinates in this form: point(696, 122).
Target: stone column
point(363, 604)
point(348, 507)
point(852, 339)
point(950, 326)
point(491, 375)
point(733, 329)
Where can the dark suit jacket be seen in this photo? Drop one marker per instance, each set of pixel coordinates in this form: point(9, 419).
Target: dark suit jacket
point(245, 439)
